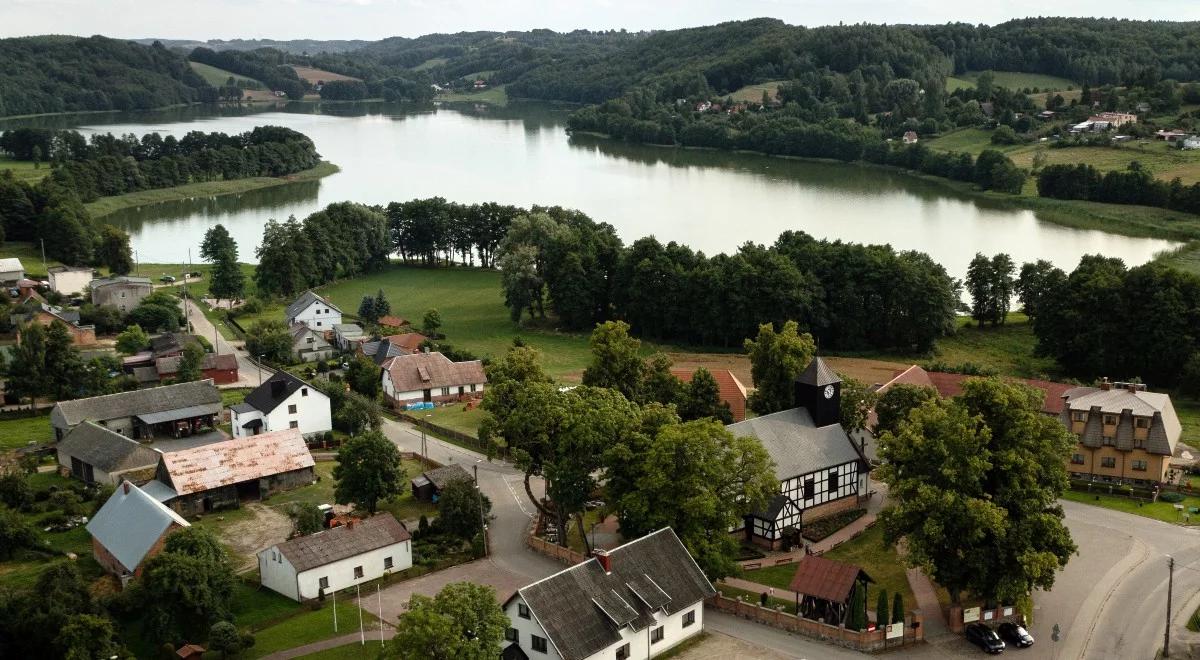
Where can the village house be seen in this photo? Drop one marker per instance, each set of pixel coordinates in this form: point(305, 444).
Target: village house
point(1170, 136)
point(309, 345)
point(94, 454)
point(1191, 142)
point(69, 280)
point(220, 369)
point(1114, 119)
point(910, 137)
point(282, 402)
point(1126, 434)
point(311, 566)
point(171, 344)
point(428, 485)
point(821, 471)
point(391, 321)
point(313, 311)
point(223, 474)
point(430, 377)
point(634, 601)
point(348, 336)
point(121, 291)
point(11, 271)
point(732, 391)
point(44, 314)
point(129, 529)
point(379, 350)
point(170, 411)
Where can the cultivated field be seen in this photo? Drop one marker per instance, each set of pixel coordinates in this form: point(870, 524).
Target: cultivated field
point(753, 93)
point(313, 76)
point(218, 77)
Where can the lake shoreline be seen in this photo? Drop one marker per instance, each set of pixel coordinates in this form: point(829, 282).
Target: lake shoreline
point(108, 205)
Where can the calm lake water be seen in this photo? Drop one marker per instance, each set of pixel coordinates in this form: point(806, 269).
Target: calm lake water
point(521, 155)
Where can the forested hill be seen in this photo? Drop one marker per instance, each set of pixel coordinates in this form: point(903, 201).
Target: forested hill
point(63, 74)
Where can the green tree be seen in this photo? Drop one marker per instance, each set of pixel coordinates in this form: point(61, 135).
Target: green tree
point(132, 340)
point(856, 614)
point(1039, 283)
point(270, 340)
point(15, 533)
point(701, 398)
point(15, 491)
point(188, 586)
point(659, 384)
point(980, 282)
point(306, 518)
point(615, 361)
point(88, 637)
point(856, 403)
point(1003, 287)
point(462, 508)
point(881, 609)
point(431, 323)
point(113, 250)
point(463, 622)
point(893, 406)
point(898, 608)
point(191, 364)
point(382, 306)
point(364, 377)
point(366, 310)
point(356, 413)
point(28, 365)
point(368, 471)
point(776, 358)
point(224, 638)
point(217, 242)
point(226, 281)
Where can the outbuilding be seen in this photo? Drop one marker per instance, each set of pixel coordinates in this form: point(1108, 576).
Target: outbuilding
point(94, 454)
point(69, 280)
point(170, 410)
point(129, 529)
point(428, 485)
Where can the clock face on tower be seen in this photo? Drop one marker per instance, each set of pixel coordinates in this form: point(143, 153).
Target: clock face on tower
point(829, 391)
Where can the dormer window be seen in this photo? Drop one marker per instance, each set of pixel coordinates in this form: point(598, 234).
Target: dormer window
point(1141, 422)
point(1110, 420)
point(1078, 416)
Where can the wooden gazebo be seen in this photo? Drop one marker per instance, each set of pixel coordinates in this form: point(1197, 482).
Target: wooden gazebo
point(823, 588)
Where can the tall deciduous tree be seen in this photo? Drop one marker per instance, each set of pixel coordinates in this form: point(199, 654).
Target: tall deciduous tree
point(188, 586)
point(113, 250)
point(463, 622)
point(132, 340)
point(271, 340)
point(217, 241)
point(368, 471)
point(431, 323)
point(894, 405)
point(776, 358)
point(615, 362)
point(462, 509)
point(856, 403)
point(190, 364)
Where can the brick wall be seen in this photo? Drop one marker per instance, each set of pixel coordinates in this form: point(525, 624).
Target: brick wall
point(839, 635)
point(552, 550)
point(990, 617)
point(829, 508)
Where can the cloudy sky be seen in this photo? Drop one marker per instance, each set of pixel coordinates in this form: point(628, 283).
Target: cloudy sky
point(374, 19)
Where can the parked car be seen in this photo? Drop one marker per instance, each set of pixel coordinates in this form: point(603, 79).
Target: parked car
point(1015, 634)
point(167, 279)
point(985, 638)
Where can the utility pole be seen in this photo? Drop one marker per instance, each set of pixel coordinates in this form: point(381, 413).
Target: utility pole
point(1170, 584)
point(43, 242)
point(187, 303)
point(482, 518)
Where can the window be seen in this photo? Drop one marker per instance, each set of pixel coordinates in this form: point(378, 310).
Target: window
point(1079, 416)
point(1140, 466)
point(303, 391)
point(623, 652)
point(523, 610)
point(323, 583)
point(358, 572)
point(1077, 459)
point(1108, 462)
point(833, 480)
point(292, 409)
point(293, 424)
point(810, 485)
point(1110, 420)
point(318, 324)
point(689, 618)
point(1141, 423)
point(445, 391)
point(472, 388)
point(539, 643)
point(656, 635)
point(387, 563)
point(510, 634)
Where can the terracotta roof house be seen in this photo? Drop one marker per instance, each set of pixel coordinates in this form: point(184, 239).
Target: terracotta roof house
point(430, 377)
point(390, 321)
point(169, 410)
point(311, 566)
point(732, 391)
point(1126, 434)
point(409, 342)
point(220, 369)
point(222, 474)
point(823, 588)
point(45, 314)
point(92, 453)
point(634, 601)
point(130, 528)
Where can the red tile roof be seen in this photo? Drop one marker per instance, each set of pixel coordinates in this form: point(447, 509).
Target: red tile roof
point(950, 385)
point(410, 342)
point(827, 579)
point(392, 321)
point(732, 390)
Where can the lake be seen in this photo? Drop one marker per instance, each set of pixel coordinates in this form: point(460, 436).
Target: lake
point(713, 201)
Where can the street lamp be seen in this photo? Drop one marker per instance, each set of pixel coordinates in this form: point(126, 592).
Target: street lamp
point(1170, 584)
point(482, 518)
point(260, 361)
point(424, 449)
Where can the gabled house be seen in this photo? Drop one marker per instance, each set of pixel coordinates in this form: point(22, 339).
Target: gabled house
point(634, 601)
point(821, 471)
point(44, 314)
point(94, 454)
point(309, 345)
point(314, 311)
point(11, 270)
point(129, 529)
point(910, 137)
point(391, 321)
point(121, 291)
point(220, 369)
point(311, 566)
point(69, 280)
point(1126, 434)
point(282, 402)
point(430, 377)
point(348, 336)
point(732, 391)
point(428, 485)
point(222, 474)
point(169, 410)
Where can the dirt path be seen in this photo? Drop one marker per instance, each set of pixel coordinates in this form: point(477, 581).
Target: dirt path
point(265, 528)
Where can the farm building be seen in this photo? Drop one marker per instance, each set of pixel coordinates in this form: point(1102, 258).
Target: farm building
point(732, 391)
point(129, 529)
point(122, 291)
point(361, 550)
point(69, 280)
point(94, 454)
point(11, 270)
point(166, 411)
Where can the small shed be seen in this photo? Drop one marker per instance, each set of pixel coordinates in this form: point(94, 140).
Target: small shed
point(428, 485)
point(824, 588)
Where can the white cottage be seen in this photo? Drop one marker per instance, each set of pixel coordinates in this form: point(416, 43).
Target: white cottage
point(635, 601)
point(69, 280)
point(313, 311)
point(309, 566)
point(282, 402)
point(11, 270)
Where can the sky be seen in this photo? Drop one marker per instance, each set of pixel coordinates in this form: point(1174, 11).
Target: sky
point(376, 19)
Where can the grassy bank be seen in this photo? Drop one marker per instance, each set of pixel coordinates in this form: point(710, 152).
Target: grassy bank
point(106, 205)
point(24, 169)
point(492, 96)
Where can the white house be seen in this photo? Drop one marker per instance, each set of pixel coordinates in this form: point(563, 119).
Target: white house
point(634, 601)
point(11, 270)
point(820, 469)
point(309, 345)
point(281, 402)
point(69, 280)
point(314, 311)
point(333, 559)
point(430, 377)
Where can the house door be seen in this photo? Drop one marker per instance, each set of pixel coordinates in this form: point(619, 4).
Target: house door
point(427, 396)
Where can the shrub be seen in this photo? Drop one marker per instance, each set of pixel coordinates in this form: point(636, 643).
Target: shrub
point(821, 529)
point(1172, 498)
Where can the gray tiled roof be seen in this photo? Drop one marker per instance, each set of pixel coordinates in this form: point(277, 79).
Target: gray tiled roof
point(795, 444)
point(439, 477)
point(136, 402)
point(130, 523)
point(309, 552)
point(818, 373)
point(1164, 430)
point(107, 450)
point(577, 607)
point(266, 398)
point(307, 298)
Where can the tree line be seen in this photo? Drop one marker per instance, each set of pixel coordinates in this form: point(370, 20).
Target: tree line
point(341, 240)
point(1134, 185)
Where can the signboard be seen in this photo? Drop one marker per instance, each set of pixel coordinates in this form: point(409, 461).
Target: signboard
point(895, 630)
point(970, 614)
point(1008, 611)
point(989, 615)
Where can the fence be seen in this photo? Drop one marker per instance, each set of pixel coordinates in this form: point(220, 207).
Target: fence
point(865, 641)
point(959, 616)
point(552, 550)
point(457, 437)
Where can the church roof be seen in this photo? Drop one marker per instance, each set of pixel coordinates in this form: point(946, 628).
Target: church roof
point(818, 373)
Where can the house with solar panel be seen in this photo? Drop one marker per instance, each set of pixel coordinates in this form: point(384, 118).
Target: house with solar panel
point(821, 470)
point(129, 529)
point(634, 601)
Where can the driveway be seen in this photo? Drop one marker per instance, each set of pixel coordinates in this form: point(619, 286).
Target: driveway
point(250, 374)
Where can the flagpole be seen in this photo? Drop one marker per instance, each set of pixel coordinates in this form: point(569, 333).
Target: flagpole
point(379, 596)
point(335, 610)
point(362, 634)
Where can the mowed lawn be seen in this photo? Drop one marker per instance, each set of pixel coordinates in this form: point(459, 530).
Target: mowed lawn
point(218, 77)
point(21, 428)
point(24, 170)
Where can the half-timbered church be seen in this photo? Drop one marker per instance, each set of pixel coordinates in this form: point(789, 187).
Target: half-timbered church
point(821, 471)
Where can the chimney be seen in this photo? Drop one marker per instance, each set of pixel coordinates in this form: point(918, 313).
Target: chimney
point(125, 486)
point(1105, 384)
point(604, 558)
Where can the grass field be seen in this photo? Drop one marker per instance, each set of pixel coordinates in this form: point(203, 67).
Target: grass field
point(24, 169)
point(313, 76)
point(19, 429)
point(351, 651)
point(308, 627)
point(106, 205)
point(430, 63)
point(1011, 80)
point(456, 418)
point(218, 77)
point(753, 93)
point(1163, 511)
point(492, 96)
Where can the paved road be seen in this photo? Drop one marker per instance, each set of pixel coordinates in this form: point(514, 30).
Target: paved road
point(249, 373)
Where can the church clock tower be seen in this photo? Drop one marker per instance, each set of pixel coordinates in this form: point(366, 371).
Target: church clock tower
point(819, 389)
